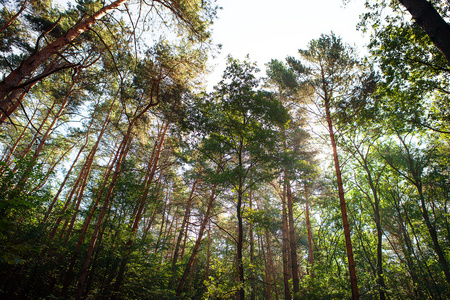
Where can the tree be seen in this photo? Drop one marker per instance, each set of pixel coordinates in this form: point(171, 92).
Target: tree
point(328, 69)
point(55, 55)
point(236, 121)
point(427, 17)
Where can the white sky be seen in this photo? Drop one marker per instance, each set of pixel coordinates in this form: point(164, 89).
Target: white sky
point(275, 29)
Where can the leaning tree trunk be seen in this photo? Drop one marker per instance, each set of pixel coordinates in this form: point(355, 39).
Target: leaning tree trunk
point(151, 170)
point(348, 242)
point(190, 263)
point(431, 22)
point(181, 233)
point(124, 147)
point(11, 85)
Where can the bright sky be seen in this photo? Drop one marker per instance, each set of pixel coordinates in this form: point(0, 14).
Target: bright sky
point(269, 29)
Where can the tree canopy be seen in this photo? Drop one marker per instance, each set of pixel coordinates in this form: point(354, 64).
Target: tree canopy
point(122, 177)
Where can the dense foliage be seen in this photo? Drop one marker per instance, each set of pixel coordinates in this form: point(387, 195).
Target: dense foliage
point(122, 178)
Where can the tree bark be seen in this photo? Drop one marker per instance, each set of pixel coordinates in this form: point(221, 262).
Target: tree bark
point(416, 180)
point(123, 150)
point(87, 221)
point(190, 264)
point(181, 233)
point(348, 242)
point(308, 227)
point(17, 78)
point(285, 246)
point(252, 254)
point(431, 22)
point(270, 258)
point(240, 239)
point(292, 241)
point(267, 271)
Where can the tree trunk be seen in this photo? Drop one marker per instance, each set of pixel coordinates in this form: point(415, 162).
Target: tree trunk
point(308, 227)
point(431, 22)
point(190, 264)
point(124, 147)
point(267, 271)
point(87, 222)
point(434, 237)
point(240, 239)
point(21, 76)
point(151, 170)
point(377, 216)
point(6, 158)
point(348, 242)
point(252, 254)
point(269, 254)
point(285, 246)
point(181, 233)
point(417, 181)
point(292, 241)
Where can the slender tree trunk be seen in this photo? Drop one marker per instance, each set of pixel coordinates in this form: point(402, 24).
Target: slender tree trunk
point(208, 251)
point(272, 268)
point(196, 247)
point(86, 170)
point(62, 107)
point(87, 221)
point(252, 254)
point(377, 216)
point(151, 170)
point(61, 187)
point(52, 168)
point(308, 227)
point(436, 292)
point(434, 237)
point(285, 246)
point(6, 158)
point(7, 24)
point(417, 181)
point(124, 147)
point(267, 274)
point(38, 132)
point(292, 241)
point(408, 251)
point(348, 242)
point(240, 239)
point(78, 187)
point(380, 276)
point(181, 233)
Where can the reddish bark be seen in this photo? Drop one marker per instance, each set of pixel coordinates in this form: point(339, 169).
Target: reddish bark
point(272, 268)
point(21, 77)
point(190, 264)
point(7, 24)
point(182, 230)
point(124, 147)
point(348, 242)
